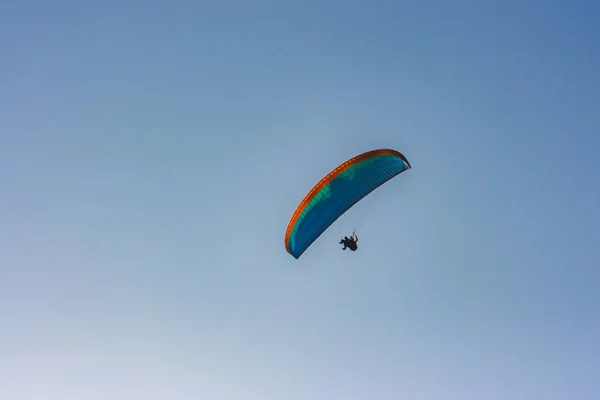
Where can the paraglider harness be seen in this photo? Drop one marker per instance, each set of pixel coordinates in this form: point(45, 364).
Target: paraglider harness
point(350, 242)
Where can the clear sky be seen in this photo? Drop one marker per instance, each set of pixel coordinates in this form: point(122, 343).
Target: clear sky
point(152, 154)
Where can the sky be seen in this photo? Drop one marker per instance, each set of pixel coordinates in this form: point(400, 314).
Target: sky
point(152, 154)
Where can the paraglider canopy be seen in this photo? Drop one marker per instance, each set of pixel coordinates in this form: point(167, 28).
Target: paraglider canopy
point(335, 194)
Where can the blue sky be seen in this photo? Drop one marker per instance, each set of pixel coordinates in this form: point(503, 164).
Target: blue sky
point(151, 155)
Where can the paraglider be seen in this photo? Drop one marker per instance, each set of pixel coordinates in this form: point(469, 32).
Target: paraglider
point(350, 242)
point(336, 193)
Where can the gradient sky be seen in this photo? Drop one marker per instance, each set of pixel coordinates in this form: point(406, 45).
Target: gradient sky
point(151, 155)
